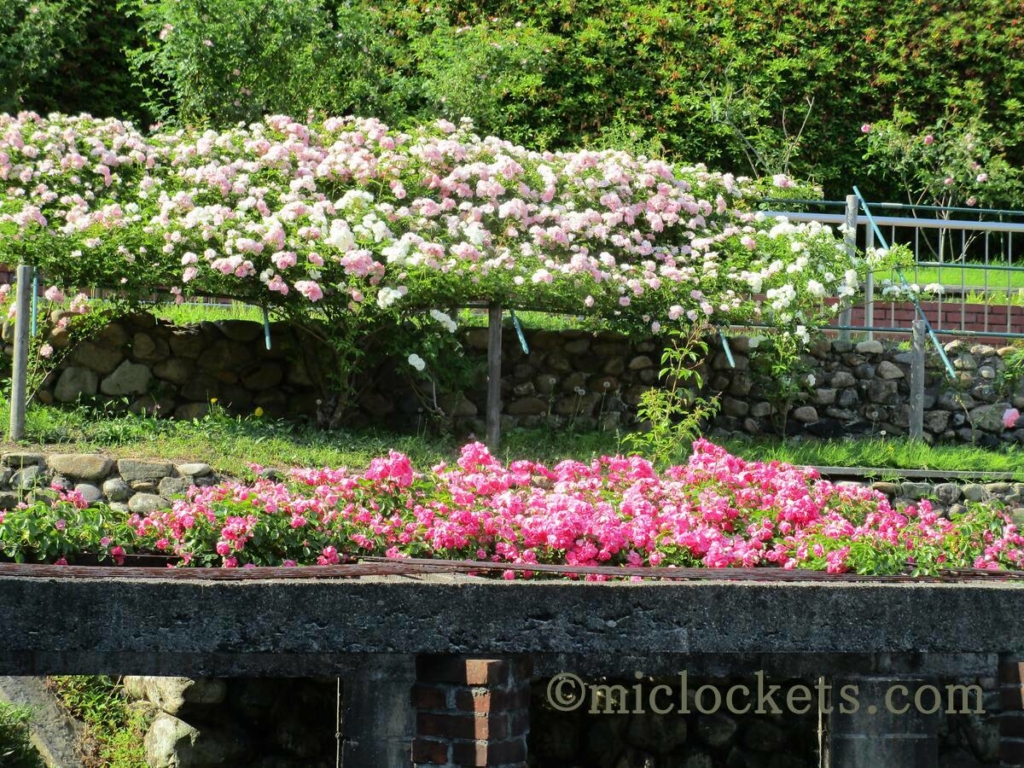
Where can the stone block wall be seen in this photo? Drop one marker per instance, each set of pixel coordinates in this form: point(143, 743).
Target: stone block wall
point(864, 388)
point(566, 380)
point(481, 712)
point(153, 367)
point(132, 485)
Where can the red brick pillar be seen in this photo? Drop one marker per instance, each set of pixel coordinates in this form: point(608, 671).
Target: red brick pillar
point(471, 712)
point(1011, 717)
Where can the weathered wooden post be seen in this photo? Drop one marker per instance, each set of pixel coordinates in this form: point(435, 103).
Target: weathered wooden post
point(493, 377)
point(917, 380)
point(19, 375)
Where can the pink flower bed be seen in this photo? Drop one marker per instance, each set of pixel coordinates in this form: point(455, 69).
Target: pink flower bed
point(717, 511)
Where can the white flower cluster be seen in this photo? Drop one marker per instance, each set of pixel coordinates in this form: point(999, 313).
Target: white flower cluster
point(388, 296)
point(449, 324)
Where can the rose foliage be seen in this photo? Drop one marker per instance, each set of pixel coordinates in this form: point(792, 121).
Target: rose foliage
point(717, 511)
point(348, 218)
point(351, 231)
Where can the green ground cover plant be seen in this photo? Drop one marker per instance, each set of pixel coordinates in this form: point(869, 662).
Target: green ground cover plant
point(115, 728)
point(15, 749)
point(888, 455)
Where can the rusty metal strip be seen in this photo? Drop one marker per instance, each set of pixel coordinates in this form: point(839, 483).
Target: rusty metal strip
point(716, 574)
point(378, 566)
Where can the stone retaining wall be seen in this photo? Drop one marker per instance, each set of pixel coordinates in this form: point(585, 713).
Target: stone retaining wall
point(568, 380)
point(864, 388)
point(132, 485)
point(153, 367)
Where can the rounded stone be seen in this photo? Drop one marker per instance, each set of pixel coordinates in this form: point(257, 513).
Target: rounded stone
point(176, 370)
point(265, 376)
point(805, 414)
point(116, 489)
point(139, 470)
point(173, 486)
point(75, 382)
point(659, 734)
point(83, 466)
point(170, 742)
point(717, 730)
point(144, 503)
point(129, 379)
point(187, 342)
point(148, 348)
point(89, 492)
point(98, 358)
point(889, 370)
point(190, 411)
point(870, 348)
point(240, 330)
point(194, 469)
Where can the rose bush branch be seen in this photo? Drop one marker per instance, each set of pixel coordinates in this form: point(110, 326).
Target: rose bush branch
point(345, 225)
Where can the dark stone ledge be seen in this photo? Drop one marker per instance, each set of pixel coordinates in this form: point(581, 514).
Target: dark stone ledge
point(90, 625)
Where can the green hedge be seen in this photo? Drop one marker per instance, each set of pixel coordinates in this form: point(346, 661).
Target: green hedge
point(722, 81)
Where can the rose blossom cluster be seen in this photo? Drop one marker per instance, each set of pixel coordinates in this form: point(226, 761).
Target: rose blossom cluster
point(350, 214)
point(717, 511)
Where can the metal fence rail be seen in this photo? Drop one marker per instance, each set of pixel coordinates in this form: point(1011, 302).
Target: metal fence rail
point(972, 260)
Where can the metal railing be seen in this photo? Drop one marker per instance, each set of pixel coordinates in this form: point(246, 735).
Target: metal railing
point(968, 270)
point(965, 258)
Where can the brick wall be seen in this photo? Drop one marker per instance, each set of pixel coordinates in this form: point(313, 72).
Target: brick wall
point(471, 712)
point(951, 316)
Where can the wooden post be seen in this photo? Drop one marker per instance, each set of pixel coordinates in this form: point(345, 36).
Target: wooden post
point(917, 381)
point(19, 374)
point(493, 377)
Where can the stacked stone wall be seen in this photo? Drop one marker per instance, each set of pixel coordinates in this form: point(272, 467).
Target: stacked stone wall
point(563, 380)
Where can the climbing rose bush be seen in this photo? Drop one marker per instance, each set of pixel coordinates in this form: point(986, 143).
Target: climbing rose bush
point(348, 219)
point(717, 511)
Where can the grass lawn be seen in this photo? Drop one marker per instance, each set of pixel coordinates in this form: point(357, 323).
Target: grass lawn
point(230, 444)
point(995, 278)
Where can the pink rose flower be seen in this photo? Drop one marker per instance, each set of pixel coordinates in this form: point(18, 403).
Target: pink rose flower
point(1010, 417)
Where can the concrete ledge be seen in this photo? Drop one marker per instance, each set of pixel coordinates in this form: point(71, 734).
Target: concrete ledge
point(120, 625)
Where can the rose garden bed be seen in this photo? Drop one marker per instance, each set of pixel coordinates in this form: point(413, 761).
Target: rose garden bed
point(716, 511)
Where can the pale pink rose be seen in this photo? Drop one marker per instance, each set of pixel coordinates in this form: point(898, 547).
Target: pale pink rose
point(1010, 417)
point(310, 289)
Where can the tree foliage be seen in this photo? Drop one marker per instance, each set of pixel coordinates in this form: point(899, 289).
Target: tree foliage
point(782, 86)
